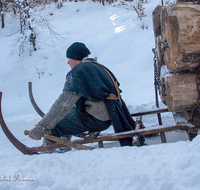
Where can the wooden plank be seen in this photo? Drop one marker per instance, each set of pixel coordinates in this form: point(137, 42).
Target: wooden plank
point(68, 143)
point(64, 142)
point(146, 131)
point(150, 112)
point(45, 148)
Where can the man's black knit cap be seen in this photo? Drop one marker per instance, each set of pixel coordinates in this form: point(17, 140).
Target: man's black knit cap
point(77, 51)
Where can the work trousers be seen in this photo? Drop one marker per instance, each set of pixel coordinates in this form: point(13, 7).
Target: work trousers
point(72, 124)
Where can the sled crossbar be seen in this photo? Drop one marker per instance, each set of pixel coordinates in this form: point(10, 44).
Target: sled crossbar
point(150, 112)
point(64, 142)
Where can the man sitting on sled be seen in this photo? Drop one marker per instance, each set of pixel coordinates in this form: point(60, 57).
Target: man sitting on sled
point(90, 101)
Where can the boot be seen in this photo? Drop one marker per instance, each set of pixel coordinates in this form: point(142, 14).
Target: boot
point(66, 148)
point(138, 140)
point(139, 124)
point(47, 142)
point(135, 141)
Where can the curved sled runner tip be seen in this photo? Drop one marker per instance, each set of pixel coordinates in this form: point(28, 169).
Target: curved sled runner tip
point(37, 109)
point(20, 146)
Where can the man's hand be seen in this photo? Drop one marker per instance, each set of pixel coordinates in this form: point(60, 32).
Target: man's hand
point(36, 133)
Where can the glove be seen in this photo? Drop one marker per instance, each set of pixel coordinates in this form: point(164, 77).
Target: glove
point(36, 133)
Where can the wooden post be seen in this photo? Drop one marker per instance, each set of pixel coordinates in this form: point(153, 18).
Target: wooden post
point(100, 144)
point(192, 133)
point(159, 119)
point(163, 138)
point(162, 134)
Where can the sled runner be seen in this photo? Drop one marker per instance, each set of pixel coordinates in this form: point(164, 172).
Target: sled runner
point(79, 144)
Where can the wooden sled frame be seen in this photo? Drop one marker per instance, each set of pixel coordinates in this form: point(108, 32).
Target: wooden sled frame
point(182, 125)
point(78, 144)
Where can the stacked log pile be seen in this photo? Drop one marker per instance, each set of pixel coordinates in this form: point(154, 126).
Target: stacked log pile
point(178, 25)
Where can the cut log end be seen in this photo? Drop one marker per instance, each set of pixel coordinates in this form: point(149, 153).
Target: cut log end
point(180, 28)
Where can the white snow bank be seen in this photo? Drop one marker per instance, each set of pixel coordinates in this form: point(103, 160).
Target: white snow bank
point(167, 166)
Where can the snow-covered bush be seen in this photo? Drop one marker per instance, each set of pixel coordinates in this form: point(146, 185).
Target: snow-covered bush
point(59, 4)
point(135, 5)
point(2, 13)
point(22, 9)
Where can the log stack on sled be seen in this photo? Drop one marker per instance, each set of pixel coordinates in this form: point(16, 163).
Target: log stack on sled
point(177, 40)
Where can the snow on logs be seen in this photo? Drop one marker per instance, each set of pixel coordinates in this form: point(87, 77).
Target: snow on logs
point(179, 26)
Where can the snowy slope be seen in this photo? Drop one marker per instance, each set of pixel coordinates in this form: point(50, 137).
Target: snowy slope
point(115, 36)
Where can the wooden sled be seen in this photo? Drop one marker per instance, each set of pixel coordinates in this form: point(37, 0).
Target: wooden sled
point(79, 144)
point(179, 123)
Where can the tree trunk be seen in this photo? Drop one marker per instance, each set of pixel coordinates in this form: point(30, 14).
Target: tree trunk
point(2, 21)
point(2, 15)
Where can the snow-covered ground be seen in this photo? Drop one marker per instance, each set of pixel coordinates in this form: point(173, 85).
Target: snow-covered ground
point(115, 36)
